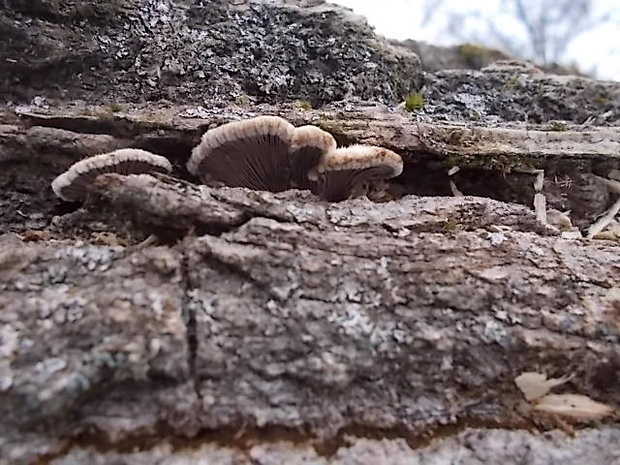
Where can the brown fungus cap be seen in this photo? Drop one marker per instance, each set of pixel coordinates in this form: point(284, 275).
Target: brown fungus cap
point(345, 172)
point(251, 153)
point(308, 145)
point(73, 184)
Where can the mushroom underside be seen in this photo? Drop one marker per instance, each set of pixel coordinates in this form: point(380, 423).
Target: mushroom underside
point(336, 186)
point(258, 162)
point(302, 161)
point(76, 187)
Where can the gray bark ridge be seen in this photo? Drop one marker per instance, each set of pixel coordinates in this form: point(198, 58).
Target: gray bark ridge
point(280, 313)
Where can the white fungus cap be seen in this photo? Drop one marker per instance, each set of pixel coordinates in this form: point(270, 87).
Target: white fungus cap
point(346, 171)
point(252, 153)
point(312, 136)
point(360, 157)
point(73, 184)
point(268, 153)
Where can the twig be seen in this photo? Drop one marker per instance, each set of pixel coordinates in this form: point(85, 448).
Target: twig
point(455, 190)
point(604, 221)
point(540, 207)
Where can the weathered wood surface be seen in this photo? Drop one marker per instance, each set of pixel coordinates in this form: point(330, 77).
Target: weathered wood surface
point(267, 329)
point(575, 161)
point(290, 318)
point(369, 123)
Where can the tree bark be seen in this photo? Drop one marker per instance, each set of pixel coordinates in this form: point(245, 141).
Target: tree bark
point(280, 321)
point(163, 322)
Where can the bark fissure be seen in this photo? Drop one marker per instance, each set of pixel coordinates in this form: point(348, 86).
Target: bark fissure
point(189, 317)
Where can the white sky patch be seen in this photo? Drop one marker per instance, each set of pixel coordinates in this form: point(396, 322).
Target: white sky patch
point(596, 51)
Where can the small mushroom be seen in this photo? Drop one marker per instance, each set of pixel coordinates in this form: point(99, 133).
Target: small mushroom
point(252, 153)
point(308, 145)
point(346, 172)
point(73, 184)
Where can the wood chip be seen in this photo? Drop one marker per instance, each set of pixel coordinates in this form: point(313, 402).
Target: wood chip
point(455, 190)
point(540, 207)
point(534, 385)
point(452, 171)
point(604, 221)
point(34, 236)
point(575, 406)
point(572, 235)
point(539, 182)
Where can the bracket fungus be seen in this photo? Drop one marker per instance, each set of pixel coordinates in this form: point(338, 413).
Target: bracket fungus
point(251, 153)
point(268, 153)
point(308, 146)
point(346, 172)
point(73, 184)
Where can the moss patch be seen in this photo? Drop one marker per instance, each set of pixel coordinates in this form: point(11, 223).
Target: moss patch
point(302, 105)
point(115, 107)
point(414, 102)
point(558, 126)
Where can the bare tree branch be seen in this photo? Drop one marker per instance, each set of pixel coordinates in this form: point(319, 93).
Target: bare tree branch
point(549, 26)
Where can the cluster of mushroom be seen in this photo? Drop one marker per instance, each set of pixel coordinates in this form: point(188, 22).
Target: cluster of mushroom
point(263, 153)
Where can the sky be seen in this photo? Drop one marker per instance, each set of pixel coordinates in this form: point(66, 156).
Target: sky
point(596, 51)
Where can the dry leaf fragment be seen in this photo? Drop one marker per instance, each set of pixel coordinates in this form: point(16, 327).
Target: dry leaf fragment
point(34, 236)
point(105, 238)
point(575, 406)
point(534, 385)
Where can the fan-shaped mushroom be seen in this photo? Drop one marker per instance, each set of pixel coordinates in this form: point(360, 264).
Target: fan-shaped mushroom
point(345, 172)
point(73, 184)
point(308, 145)
point(251, 153)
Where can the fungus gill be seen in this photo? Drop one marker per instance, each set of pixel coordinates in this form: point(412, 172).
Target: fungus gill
point(308, 145)
point(346, 172)
point(251, 153)
point(268, 153)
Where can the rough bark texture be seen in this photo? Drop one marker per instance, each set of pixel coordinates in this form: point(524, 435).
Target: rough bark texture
point(474, 447)
point(171, 323)
point(215, 51)
point(286, 320)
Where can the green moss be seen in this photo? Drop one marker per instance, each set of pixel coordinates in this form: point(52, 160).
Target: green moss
point(450, 225)
point(414, 102)
point(601, 99)
point(242, 100)
point(476, 56)
point(559, 126)
point(451, 160)
point(302, 105)
point(512, 83)
point(115, 107)
point(472, 51)
point(473, 115)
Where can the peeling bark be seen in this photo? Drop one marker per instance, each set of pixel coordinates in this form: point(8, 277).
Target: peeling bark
point(370, 123)
point(491, 161)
